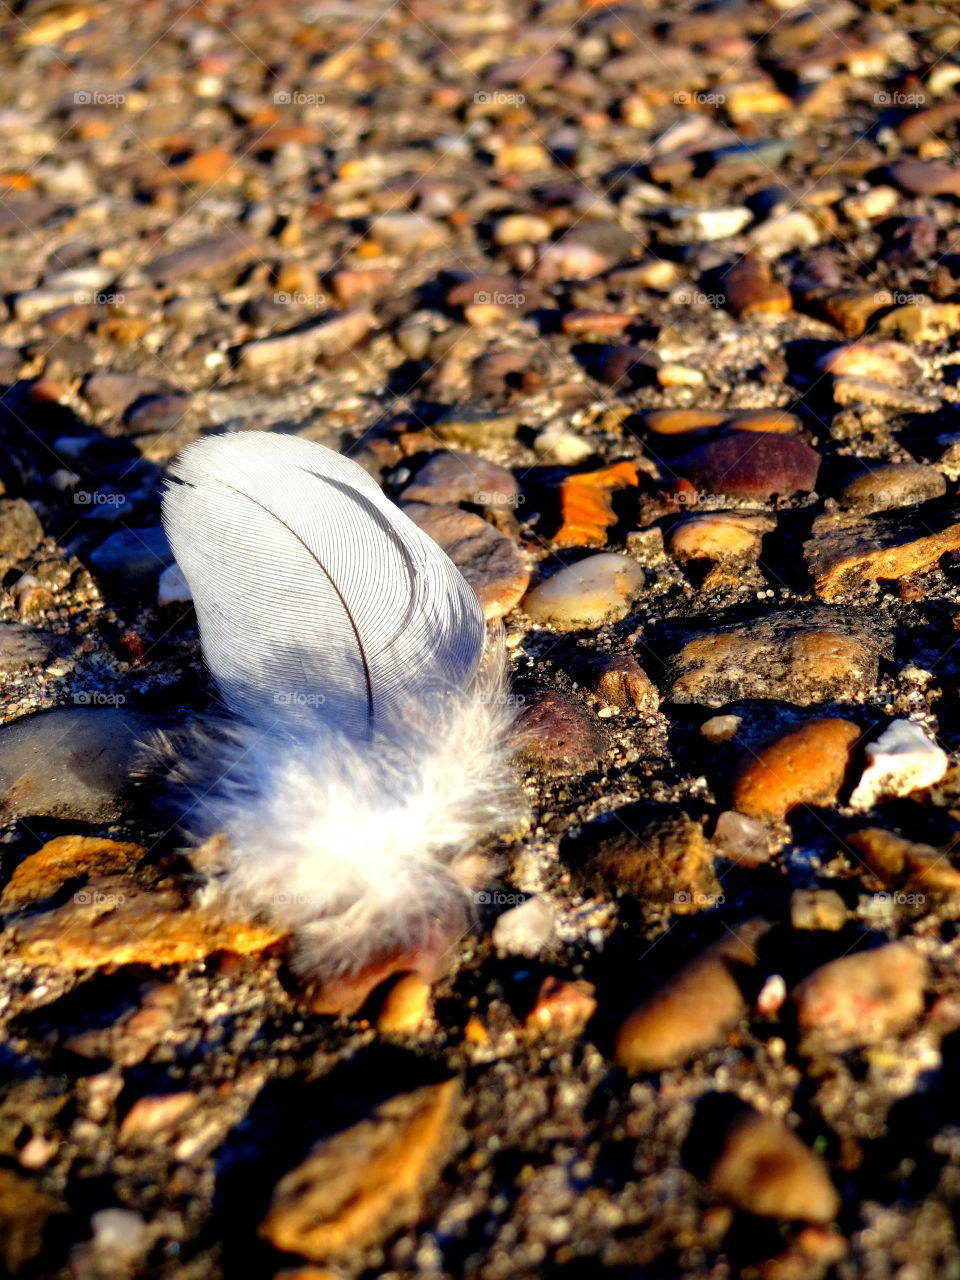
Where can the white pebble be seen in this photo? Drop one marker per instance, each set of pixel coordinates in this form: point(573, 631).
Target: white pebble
point(902, 760)
point(527, 929)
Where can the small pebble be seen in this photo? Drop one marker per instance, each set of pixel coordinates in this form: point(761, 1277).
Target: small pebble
point(862, 998)
point(764, 1169)
point(527, 929)
point(806, 766)
point(587, 593)
point(694, 1009)
point(903, 759)
point(817, 909)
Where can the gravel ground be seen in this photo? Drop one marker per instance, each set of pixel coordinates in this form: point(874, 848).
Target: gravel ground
point(653, 314)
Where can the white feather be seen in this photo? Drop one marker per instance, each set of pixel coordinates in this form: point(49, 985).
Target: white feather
point(370, 749)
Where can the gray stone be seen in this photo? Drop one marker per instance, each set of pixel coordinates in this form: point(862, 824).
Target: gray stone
point(133, 557)
point(73, 762)
point(21, 647)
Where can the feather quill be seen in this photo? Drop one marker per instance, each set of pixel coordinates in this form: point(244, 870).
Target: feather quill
point(366, 749)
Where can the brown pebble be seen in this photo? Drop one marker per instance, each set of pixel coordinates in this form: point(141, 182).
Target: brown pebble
point(149, 1115)
point(557, 736)
point(806, 766)
point(669, 862)
point(622, 682)
point(750, 289)
point(694, 1009)
point(406, 1006)
point(886, 361)
point(116, 921)
point(817, 909)
point(719, 536)
point(926, 177)
point(751, 464)
point(851, 310)
point(801, 658)
point(562, 1006)
point(893, 484)
point(355, 1187)
point(862, 998)
point(895, 860)
point(764, 1169)
point(492, 564)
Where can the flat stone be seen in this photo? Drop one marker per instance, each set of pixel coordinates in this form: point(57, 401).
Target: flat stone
point(902, 760)
point(73, 762)
point(926, 177)
point(588, 593)
point(806, 766)
point(357, 1186)
point(557, 736)
point(890, 485)
point(695, 1009)
point(62, 859)
point(453, 477)
point(132, 558)
point(720, 536)
point(862, 998)
point(848, 550)
point(763, 1168)
point(799, 658)
point(202, 260)
point(20, 529)
point(22, 647)
point(751, 464)
point(492, 564)
point(885, 361)
point(115, 921)
point(328, 338)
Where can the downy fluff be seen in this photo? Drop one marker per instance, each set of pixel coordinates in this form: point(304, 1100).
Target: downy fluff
point(366, 751)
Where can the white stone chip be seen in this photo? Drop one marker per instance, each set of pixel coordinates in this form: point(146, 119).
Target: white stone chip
point(525, 930)
point(173, 586)
point(902, 760)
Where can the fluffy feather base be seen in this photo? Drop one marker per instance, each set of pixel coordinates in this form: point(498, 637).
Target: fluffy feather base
point(353, 846)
